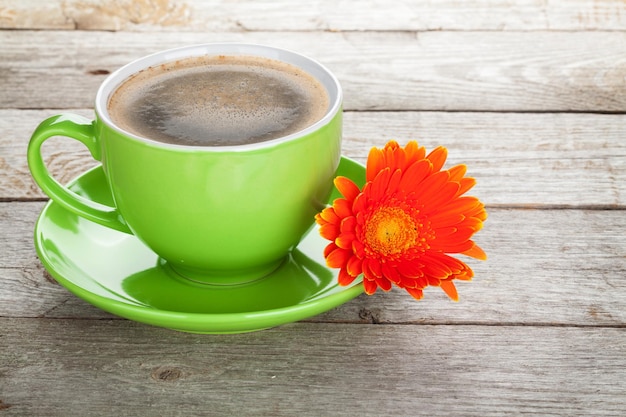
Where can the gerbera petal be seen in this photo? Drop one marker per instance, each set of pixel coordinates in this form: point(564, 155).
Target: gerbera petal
point(358, 248)
point(414, 152)
point(445, 219)
point(395, 156)
point(449, 247)
point(457, 172)
point(416, 293)
point(471, 223)
point(454, 265)
point(464, 233)
point(456, 268)
point(383, 283)
point(329, 231)
point(390, 148)
point(476, 252)
point(390, 273)
point(347, 188)
point(478, 212)
point(465, 185)
point(342, 207)
point(460, 207)
point(327, 215)
point(413, 282)
point(372, 268)
point(450, 290)
point(459, 237)
point(435, 281)
point(411, 269)
point(431, 186)
point(445, 233)
point(379, 184)
point(446, 193)
point(375, 163)
point(477, 209)
point(394, 182)
point(415, 174)
point(466, 275)
point(345, 278)
point(329, 248)
point(438, 157)
point(433, 269)
point(338, 258)
point(354, 266)
point(369, 286)
point(344, 240)
point(348, 224)
point(360, 202)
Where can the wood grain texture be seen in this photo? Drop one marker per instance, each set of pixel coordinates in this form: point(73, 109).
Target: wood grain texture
point(65, 158)
point(529, 160)
point(518, 159)
point(545, 267)
point(448, 71)
point(326, 15)
point(123, 368)
point(530, 94)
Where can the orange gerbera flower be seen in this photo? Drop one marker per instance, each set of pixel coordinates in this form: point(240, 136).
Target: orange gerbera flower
point(400, 228)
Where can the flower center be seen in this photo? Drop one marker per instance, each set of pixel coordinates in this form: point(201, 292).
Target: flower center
point(391, 230)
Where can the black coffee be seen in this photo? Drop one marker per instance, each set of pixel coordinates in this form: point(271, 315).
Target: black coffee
point(217, 101)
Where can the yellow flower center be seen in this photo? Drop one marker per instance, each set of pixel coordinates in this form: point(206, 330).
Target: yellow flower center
point(390, 231)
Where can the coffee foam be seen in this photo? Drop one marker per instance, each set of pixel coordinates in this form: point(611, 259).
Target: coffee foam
point(217, 101)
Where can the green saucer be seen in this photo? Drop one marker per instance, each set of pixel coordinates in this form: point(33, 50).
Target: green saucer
point(119, 274)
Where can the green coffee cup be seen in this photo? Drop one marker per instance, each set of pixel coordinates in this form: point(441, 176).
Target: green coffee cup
point(214, 214)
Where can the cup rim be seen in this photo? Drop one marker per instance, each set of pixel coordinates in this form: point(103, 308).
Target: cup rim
point(310, 65)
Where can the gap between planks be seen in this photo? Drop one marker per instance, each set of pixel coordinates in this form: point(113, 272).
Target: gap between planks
point(389, 110)
point(586, 207)
point(312, 321)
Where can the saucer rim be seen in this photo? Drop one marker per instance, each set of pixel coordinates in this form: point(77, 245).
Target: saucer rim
point(205, 323)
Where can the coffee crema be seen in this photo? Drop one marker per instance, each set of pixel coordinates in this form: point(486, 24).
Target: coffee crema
point(218, 101)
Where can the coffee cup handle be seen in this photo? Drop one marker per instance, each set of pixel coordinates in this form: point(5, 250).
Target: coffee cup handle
point(82, 130)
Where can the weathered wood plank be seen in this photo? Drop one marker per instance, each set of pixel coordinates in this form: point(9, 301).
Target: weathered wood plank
point(540, 331)
point(223, 15)
point(310, 370)
point(66, 158)
point(518, 159)
point(549, 267)
point(544, 267)
point(492, 71)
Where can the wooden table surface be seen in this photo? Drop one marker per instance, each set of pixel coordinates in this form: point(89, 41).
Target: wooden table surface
point(530, 94)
